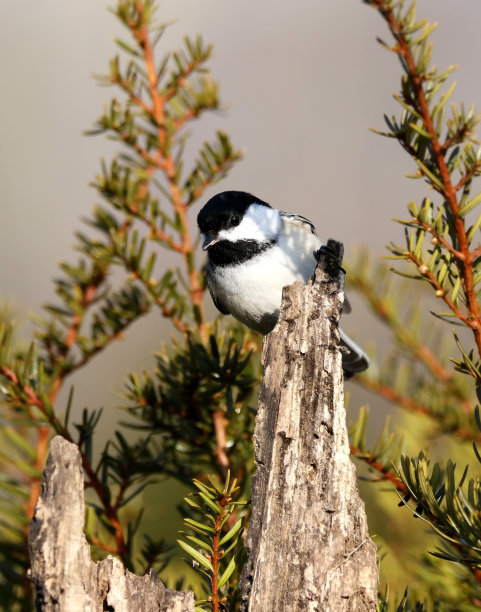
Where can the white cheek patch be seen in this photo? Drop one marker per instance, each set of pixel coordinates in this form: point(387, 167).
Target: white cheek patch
point(259, 223)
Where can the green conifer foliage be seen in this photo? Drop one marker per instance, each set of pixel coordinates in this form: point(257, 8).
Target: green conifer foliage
point(192, 416)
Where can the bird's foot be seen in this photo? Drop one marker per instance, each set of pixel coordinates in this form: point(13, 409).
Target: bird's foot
point(328, 252)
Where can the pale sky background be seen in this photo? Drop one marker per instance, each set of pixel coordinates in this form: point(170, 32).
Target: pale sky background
point(301, 81)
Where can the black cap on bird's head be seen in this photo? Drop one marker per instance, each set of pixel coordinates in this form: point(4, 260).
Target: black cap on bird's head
point(224, 211)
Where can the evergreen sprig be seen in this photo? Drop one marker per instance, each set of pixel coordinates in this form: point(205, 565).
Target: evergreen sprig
point(195, 406)
point(451, 505)
point(405, 605)
point(432, 389)
point(213, 540)
point(440, 238)
point(442, 243)
point(385, 454)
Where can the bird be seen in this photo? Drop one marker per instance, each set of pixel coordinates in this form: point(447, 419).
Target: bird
point(253, 251)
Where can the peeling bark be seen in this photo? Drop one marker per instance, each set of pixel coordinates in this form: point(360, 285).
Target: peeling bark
point(65, 577)
point(308, 542)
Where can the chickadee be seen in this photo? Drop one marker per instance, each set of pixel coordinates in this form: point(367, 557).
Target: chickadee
point(253, 251)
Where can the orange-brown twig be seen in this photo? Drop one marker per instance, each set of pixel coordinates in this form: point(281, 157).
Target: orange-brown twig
point(411, 405)
point(216, 554)
point(384, 473)
point(41, 454)
point(167, 164)
point(220, 425)
point(93, 480)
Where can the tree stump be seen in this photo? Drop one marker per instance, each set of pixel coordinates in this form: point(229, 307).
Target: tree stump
point(308, 542)
point(65, 577)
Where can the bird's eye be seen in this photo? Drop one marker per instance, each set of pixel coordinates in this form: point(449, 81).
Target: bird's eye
point(235, 220)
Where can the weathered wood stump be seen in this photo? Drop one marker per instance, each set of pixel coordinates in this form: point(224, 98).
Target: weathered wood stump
point(308, 541)
point(65, 577)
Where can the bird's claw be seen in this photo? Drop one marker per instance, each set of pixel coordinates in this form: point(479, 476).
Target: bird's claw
point(325, 250)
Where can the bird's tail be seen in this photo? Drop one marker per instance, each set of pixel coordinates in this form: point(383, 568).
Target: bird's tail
point(354, 359)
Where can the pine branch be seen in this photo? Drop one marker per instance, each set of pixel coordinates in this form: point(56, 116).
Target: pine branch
point(385, 474)
point(420, 133)
point(214, 539)
point(26, 395)
point(439, 393)
point(435, 497)
point(384, 456)
point(141, 34)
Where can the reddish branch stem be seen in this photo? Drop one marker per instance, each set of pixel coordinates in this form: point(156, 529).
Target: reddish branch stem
point(95, 483)
point(42, 450)
point(167, 162)
point(387, 475)
point(384, 473)
point(110, 549)
point(220, 428)
point(411, 405)
point(216, 555)
point(71, 336)
point(420, 350)
point(440, 292)
point(446, 244)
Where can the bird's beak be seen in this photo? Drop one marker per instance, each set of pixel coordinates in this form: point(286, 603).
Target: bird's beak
point(209, 240)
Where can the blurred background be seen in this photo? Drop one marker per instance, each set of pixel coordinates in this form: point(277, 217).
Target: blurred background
point(300, 82)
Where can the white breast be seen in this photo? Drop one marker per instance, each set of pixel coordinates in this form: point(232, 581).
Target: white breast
point(252, 291)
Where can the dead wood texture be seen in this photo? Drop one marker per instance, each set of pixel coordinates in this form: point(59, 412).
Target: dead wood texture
point(308, 542)
point(65, 577)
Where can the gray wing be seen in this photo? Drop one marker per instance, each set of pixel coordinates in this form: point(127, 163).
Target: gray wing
point(298, 220)
point(308, 226)
point(215, 294)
